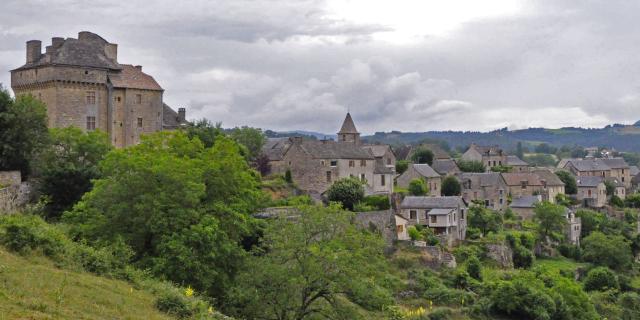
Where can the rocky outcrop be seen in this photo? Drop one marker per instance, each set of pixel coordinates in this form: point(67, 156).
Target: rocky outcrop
point(434, 257)
point(500, 253)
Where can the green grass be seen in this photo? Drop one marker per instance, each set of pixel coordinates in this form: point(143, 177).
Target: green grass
point(558, 264)
point(33, 288)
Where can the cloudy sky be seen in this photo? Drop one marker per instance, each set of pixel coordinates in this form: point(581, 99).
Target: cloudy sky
point(396, 65)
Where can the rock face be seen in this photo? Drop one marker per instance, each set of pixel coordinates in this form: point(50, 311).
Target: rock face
point(501, 253)
point(434, 257)
point(382, 221)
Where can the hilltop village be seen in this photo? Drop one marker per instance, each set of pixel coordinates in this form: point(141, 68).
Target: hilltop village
point(101, 180)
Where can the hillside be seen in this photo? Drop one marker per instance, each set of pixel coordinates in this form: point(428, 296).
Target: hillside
point(33, 288)
point(620, 137)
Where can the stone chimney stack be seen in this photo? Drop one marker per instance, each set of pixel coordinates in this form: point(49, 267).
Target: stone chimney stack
point(34, 50)
point(182, 114)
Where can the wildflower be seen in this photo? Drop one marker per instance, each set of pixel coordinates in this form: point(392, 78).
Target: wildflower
point(210, 310)
point(189, 292)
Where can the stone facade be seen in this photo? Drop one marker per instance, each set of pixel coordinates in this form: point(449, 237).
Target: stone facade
point(489, 188)
point(83, 85)
point(490, 156)
point(592, 191)
point(446, 216)
point(421, 171)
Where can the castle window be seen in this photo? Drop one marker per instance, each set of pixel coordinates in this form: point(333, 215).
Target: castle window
point(352, 163)
point(138, 99)
point(139, 122)
point(382, 181)
point(91, 123)
point(91, 97)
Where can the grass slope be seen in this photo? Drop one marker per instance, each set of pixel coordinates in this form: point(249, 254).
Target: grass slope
point(33, 288)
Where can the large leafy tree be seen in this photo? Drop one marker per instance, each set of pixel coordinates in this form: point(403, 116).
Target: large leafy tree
point(570, 185)
point(612, 251)
point(23, 131)
point(484, 219)
point(551, 220)
point(183, 208)
point(251, 138)
point(422, 155)
point(306, 264)
point(417, 187)
point(347, 191)
point(471, 166)
point(67, 166)
point(450, 186)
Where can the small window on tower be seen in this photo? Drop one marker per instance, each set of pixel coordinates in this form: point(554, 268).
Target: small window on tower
point(138, 99)
point(91, 97)
point(91, 123)
point(139, 122)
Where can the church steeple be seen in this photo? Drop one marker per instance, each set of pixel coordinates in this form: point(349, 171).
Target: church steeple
point(348, 131)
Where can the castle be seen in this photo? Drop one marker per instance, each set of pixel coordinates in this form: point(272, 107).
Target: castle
point(83, 85)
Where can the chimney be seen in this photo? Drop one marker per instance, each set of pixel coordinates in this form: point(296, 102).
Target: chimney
point(111, 51)
point(34, 50)
point(140, 69)
point(56, 42)
point(182, 114)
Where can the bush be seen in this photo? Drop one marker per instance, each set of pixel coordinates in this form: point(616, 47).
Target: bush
point(347, 191)
point(522, 257)
point(402, 166)
point(287, 176)
point(630, 303)
point(369, 295)
point(174, 304)
point(601, 279)
point(440, 314)
point(617, 202)
point(414, 234)
point(450, 186)
point(474, 268)
point(22, 233)
point(570, 251)
point(378, 202)
point(417, 187)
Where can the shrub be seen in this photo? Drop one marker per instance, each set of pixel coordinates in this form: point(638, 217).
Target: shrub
point(450, 186)
point(474, 268)
point(174, 304)
point(440, 314)
point(422, 155)
point(414, 234)
point(401, 166)
point(347, 191)
point(570, 251)
point(522, 257)
point(617, 202)
point(23, 233)
point(601, 279)
point(378, 202)
point(369, 295)
point(630, 303)
point(417, 187)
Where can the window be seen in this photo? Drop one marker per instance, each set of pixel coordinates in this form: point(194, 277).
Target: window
point(389, 162)
point(622, 179)
point(501, 201)
point(589, 193)
point(139, 122)
point(91, 123)
point(363, 163)
point(413, 214)
point(322, 162)
point(352, 163)
point(91, 97)
point(400, 228)
point(334, 163)
point(362, 177)
point(138, 99)
point(434, 219)
point(328, 176)
point(382, 181)
point(523, 184)
point(499, 163)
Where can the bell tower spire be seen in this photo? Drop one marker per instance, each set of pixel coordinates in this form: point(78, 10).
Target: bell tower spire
point(348, 131)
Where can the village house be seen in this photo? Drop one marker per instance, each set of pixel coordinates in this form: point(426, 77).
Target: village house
point(619, 187)
point(490, 156)
point(540, 182)
point(524, 206)
point(586, 167)
point(382, 153)
point(446, 216)
point(316, 164)
point(488, 188)
point(83, 85)
point(517, 164)
point(592, 191)
point(424, 172)
point(401, 227)
point(573, 228)
point(620, 170)
point(437, 150)
point(445, 167)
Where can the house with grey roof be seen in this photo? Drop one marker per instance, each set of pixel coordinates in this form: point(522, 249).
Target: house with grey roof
point(446, 216)
point(592, 191)
point(620, 170)
point(421, 171)
point(316, 164)
point(517, 164)
point(489, 188)
point(524, 206)
point(619, 187)
point(445, 167)
point(490, 156)
point(383, 154)
point(605, 167)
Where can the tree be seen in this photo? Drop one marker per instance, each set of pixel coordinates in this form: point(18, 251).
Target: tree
point(305, 267)
point(253, 139)
point(474, 268)
point(519, 150)
point(471, 166)
point(545, 148)
point(450, 186)
point(540, 160)
point(633, 200)
point(484, 219)
point(23, 131)
point(610, 186)
point(616, 201)
point(611, 251)
point(417, 187)
point(67, 166)
point(591, 221)
point(422, 155)
point(206, 131)
point(570, 184)
point(402, 166)
point(184, 209)
point(601, 279)
point(347, 191)
point(551, 220)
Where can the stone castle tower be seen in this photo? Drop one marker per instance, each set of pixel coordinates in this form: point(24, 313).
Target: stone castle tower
point(348, 131)
point(83, 85)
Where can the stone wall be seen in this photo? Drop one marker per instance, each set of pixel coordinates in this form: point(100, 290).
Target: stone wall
point(15, 197)
point(10, 178)
point(380, 221)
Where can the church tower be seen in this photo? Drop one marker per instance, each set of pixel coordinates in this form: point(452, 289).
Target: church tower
point(348, 132)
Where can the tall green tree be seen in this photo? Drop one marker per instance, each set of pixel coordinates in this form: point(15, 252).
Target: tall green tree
point(422, 155)
point(67, 166)
point(307, 264)
point(612, 251)
point(205, 130)
point(570, 184)
point(450, 186)
point(184, 209)
point(417, 187)
point(23, 131)
point(346, 191)
point(471, 166)
point(551, 220)
point(484, 219)
point(251, 138)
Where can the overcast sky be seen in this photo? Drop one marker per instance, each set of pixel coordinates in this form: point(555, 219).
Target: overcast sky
point(396, 65)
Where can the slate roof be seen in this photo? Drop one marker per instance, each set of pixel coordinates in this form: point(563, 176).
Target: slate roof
point(170, 118)
point(274, 148)
point(348, 126)
point(563, 162)
point(515, 161)
point(334, 150)
point(515, 179)
point(381, 168)
point(402, 152)
point(589, 181)
point(549, 177)
point(488, 150)
point(378, 150)
point(616, 163)
point(425, 170)
point(486, 179)
point(634, 170)
point(134, 78)
point(445, 166)
point(431, 202)
point(525, 202)
point(75, 52)
point(590, 165)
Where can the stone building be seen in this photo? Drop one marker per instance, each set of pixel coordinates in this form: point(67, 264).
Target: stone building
point(83, 85)
point(490, 156)
point(316, 164)
point(538, 182)
point(446, 216)
point(517, 164)
point(421, 171)
point(445, 167)
point(488, 188)
point(592, 191)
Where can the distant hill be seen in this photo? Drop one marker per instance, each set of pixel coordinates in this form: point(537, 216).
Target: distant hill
point(620, 137)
